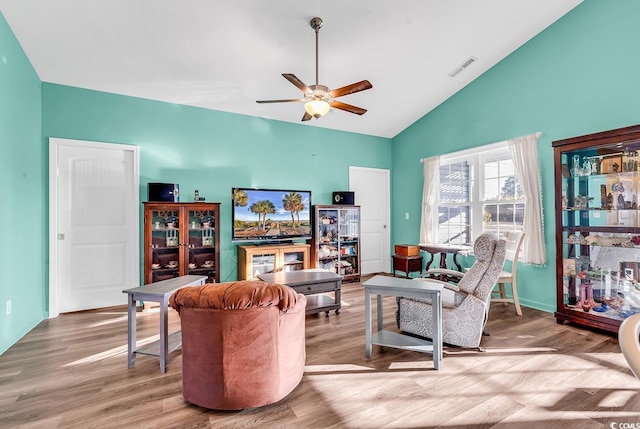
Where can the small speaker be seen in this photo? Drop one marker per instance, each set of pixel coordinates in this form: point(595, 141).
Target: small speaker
point(343, 197)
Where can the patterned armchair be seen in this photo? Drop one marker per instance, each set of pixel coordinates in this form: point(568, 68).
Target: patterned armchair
point(464, 306)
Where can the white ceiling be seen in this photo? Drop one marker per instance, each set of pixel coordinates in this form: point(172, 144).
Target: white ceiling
point(224, 55)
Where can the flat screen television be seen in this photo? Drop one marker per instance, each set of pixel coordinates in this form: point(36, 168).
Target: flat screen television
point(270, 214)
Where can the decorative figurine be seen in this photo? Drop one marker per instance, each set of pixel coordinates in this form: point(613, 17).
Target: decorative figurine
point(575, 170)
point(581, 202)
point(598, 165)
point(586, 166)
point(603, 196)
point(586, 292)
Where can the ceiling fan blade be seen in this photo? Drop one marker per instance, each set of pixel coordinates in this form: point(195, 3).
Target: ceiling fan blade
point(350, 89)
point(297, 82)
point(306, 116)
point(279, 101)
point(348, 107)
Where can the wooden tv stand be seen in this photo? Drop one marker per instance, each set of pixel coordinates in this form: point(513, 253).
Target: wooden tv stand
point(255, 259)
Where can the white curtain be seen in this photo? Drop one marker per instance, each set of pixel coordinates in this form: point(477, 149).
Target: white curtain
point(524, 152)
point(428, 221)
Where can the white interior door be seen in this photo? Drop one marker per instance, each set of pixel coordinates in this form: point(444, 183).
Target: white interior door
point(94, 233)
point(372, 194)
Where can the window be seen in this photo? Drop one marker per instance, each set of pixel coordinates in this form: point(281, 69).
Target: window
point(454, 208)
point(479, 192)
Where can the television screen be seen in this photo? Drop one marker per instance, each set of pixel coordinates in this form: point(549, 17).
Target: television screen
point(270, 214)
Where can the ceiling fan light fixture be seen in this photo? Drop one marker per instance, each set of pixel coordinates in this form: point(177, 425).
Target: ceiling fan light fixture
point(317, 108)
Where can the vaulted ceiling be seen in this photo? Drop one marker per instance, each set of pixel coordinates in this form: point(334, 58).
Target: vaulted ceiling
point(225, 55)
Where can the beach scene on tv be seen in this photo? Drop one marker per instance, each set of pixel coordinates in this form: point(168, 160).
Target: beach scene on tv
point(271, 214)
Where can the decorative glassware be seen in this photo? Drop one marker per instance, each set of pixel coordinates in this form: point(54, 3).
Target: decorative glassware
point(575, 169)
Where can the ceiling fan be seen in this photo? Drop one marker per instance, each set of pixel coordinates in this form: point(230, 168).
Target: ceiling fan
point(318, 98)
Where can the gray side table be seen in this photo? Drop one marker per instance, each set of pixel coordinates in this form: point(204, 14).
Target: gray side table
point(385, 285)
point(156, 292)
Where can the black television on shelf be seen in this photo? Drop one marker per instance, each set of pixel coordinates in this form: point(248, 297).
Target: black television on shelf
point(270, 214)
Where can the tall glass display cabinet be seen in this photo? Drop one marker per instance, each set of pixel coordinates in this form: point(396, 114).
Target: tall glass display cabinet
point(597, 182)
point(181, 239)
point(336, 240)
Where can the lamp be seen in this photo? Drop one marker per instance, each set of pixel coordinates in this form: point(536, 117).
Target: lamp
point(317, 108)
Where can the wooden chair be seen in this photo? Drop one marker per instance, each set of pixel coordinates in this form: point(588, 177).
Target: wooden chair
point(514, 244)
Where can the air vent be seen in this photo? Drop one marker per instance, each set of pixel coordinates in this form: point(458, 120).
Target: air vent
point(462, 66)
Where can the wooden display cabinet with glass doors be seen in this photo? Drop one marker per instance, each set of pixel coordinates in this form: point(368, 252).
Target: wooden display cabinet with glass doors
point(181, 239)
point(597, 182)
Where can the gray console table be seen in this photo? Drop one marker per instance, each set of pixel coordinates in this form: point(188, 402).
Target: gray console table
point(384, 285)
point(156, 292)
point(311, 283)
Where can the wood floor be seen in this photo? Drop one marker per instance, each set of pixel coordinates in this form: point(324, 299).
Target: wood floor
point(71, 372)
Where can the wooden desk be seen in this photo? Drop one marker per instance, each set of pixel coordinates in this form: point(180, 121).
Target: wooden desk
point(156, 292)
point(385, 285)
point(443, 250)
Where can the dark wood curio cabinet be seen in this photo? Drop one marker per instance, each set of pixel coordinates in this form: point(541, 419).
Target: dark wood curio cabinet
point(181, 239)
point(597, 183)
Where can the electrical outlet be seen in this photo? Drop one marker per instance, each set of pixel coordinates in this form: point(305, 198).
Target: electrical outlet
point(406, 216)
point(8, 307)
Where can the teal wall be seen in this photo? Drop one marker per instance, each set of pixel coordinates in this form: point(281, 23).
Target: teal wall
point(579, 76)
point(213, 151)
point(22, 246)
point(198, 148)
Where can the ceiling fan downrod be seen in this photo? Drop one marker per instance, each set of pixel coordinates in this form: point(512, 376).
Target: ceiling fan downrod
point(316, 24)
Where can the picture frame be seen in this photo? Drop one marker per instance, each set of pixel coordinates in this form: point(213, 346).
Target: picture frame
point(611, 164)
point(569, 267)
